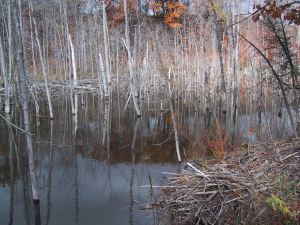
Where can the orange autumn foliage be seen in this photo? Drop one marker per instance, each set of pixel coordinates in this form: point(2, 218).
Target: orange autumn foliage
point(175, 12)
point(171, 12)
point(290, 10)
point(217, 143)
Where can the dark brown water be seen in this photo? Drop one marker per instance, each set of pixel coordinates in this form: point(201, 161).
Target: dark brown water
point(91, 168)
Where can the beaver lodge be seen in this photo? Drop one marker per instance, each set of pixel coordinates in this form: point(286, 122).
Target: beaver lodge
point(246, 187)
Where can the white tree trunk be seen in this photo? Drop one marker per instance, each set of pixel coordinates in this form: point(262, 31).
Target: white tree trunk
point(22, 78)
point(44, 71)
point(73, 60)
point(104, 78)
point(106, 44)
point(134, 92)
point(5, 78)
point(174, 119)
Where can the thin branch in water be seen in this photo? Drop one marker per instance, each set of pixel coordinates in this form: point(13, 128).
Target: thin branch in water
point(15, 126)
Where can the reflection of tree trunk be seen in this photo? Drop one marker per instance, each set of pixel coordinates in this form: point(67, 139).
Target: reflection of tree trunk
point(131, 194)
point(24, 101)
point(136, 126)
point(50, 168)
point(108, 129)
point(11, 166)
point(105, 123)
point(137, 122)
point(27, 212)
point(37, 214)
point(13, 146)
point(76, 189)
point(75, 166)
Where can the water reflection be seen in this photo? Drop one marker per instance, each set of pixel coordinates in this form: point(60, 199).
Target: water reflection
point(91, 165)
point(50, 168)
point(11, 168)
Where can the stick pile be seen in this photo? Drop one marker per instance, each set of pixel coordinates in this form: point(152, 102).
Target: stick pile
point(232, 192)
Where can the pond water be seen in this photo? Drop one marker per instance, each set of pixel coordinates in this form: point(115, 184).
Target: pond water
point(93, 169)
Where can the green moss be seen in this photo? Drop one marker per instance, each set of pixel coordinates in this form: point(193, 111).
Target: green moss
point(280, 206)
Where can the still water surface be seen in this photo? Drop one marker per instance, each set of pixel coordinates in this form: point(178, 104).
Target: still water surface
point(91, 173)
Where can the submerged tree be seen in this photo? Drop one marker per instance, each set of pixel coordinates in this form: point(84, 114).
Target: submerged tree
point(23, 96)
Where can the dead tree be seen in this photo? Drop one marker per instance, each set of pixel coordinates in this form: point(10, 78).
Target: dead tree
point(23, 97)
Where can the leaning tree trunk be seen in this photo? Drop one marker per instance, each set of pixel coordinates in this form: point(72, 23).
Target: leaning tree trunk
point(279, 82)
point(23, 97)
point(74, 72)
point(134, 92)
point(44, 71)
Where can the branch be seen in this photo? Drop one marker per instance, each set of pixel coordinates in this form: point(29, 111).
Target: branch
point(15, 126)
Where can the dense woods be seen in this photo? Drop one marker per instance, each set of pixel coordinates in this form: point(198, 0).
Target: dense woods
point(219, 58)
point(212, 50)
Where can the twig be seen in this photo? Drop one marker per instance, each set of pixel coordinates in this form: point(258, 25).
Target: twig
point(15, 126)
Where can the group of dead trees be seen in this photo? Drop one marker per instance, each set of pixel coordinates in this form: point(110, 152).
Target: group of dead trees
point(277, 51)
point(15, 62)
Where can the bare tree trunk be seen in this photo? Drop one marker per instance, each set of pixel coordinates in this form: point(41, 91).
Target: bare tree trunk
point(74, 69)
point(219, 37)
point(279, 82)
point(235, 56)
point(33, 90)
point(5, 78)
point(10, 54)
point(22, 78)
point(104, 78)
point(74, 81)
point(173, 119)
point(106, 44)
point(44, 71)
point(207, 100)
point(134, 92)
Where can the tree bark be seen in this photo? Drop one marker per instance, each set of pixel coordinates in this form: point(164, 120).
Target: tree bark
point(44, 71)
point(5, 78)
point(23, 97)
point(219, 38)
point(134, 92)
